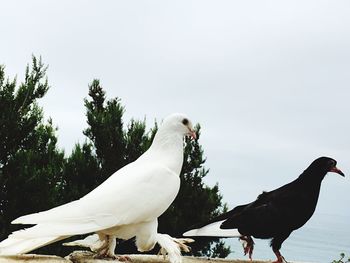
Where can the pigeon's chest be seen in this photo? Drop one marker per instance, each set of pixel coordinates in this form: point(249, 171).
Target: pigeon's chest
point(174, 163)
point(164, 195)
point(302, 209)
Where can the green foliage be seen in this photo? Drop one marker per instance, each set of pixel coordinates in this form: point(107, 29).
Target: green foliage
point(81, 173)
point(342, 259)
point(105, 130)
point(31, 166)
point(20, 114)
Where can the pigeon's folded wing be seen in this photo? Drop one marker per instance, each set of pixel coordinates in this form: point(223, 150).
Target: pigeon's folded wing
point(267, 212)
point(136, 193)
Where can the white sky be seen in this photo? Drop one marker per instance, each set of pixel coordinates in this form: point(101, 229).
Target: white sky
point(267, 80)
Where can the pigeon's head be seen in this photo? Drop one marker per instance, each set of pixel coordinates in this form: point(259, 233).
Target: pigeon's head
point(325, 165)
point(179, 123)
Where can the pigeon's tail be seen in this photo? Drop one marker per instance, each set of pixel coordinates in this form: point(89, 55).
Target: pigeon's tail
point(213, 230)
point(14, 245)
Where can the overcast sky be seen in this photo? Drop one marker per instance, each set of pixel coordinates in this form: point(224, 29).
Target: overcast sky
point(267, 80)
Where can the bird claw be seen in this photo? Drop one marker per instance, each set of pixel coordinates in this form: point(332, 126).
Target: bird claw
point(281, 260)
point(248, 245)
point(112, 256)
point(181, 242)
point(124, 258)
point(172, 247)
point(162, 251)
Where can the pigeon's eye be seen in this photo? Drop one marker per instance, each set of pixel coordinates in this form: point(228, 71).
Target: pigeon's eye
point(185, 121)
point(332, 163)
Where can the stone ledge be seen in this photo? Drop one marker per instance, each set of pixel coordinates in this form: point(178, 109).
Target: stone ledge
point(87, 257)
point(32, 258)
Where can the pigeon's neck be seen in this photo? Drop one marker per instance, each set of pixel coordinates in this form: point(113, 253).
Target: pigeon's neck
point(313, 177)
point(310, 185)
point(168, 149)
point(312, 180)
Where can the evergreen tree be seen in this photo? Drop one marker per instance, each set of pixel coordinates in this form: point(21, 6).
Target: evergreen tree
point(81, 173)
point(105, 130)
point(114, 145)
point(31, 166)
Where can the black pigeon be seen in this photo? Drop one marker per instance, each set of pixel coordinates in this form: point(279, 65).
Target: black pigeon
point(273, 215)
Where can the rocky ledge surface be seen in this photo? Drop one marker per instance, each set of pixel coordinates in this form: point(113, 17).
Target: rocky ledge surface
point(87, 257)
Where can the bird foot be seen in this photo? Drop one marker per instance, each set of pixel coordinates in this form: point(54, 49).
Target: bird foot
point(171, 247)
point(124, 258)
point(248, 245)
point(280, 258)
point(113, 257)
point(181, 242)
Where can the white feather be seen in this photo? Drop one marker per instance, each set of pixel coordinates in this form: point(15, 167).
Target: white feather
point(213, 230)
point(169, 248)
point(13, 245)
point(92, 241)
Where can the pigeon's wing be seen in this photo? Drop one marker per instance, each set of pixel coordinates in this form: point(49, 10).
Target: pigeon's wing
point(268, 214)
point(134, 194)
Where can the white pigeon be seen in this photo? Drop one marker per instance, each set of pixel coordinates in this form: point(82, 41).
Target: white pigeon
point(126, 205)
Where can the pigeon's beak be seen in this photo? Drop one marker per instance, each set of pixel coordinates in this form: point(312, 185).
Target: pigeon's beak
point(336, 170)
point(192, 134)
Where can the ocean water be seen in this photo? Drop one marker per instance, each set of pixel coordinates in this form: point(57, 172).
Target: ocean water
point(321, 240)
